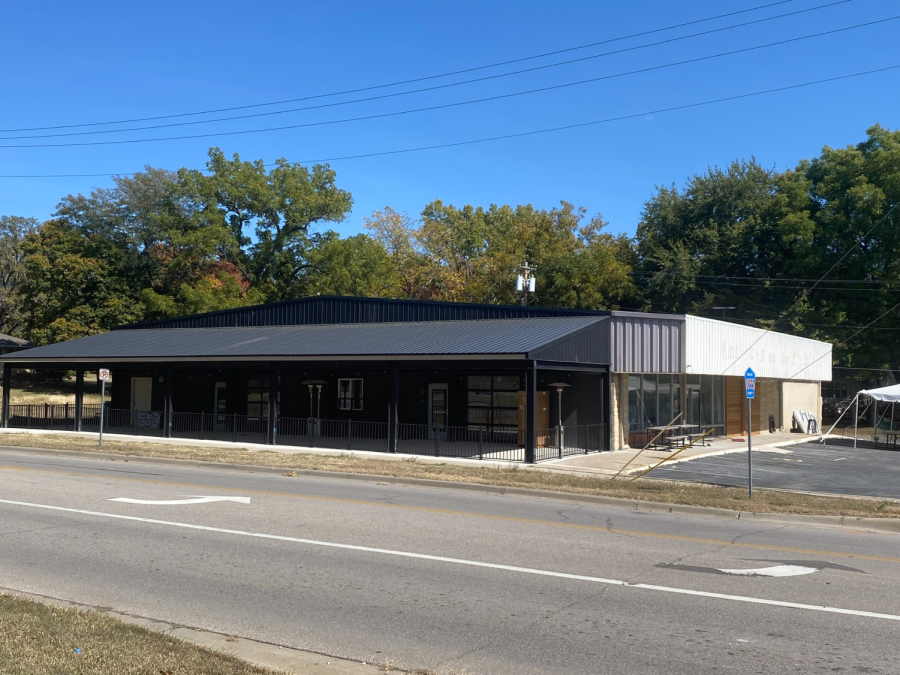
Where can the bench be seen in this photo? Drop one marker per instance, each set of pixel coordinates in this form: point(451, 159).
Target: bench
point(890, 438)
point(671, 441)
point(694, 437)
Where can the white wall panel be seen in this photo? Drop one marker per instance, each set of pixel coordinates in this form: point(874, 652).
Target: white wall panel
point(721, 348)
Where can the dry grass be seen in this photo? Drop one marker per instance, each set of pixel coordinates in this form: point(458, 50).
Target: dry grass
point(37, 639)
point(51, 392)
point(644, 490)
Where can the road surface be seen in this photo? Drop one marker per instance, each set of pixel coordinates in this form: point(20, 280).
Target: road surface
point(452, 581)
point(808, 467)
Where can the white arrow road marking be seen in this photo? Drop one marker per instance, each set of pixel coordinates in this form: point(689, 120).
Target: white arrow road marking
point(462, 561)
point(175, 502)
point(774, 571)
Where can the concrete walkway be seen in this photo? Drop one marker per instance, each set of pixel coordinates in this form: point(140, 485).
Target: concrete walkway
point(595, 464)
point(636, 461)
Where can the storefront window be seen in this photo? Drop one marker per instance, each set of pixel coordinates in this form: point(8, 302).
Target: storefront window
point(650, 399)
point(665, 399)
point(656, 400)
point(493, 401)
point(635, 404)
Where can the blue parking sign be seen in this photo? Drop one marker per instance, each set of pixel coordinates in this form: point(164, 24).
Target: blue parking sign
point(750, 382)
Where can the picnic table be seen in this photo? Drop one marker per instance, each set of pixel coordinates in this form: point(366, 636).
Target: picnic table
point(890, 437)
point(672, 438)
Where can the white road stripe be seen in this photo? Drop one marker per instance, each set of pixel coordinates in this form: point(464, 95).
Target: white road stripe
point(461, 561)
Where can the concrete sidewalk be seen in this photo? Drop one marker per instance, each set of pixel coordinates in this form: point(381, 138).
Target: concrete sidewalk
point(610, 463)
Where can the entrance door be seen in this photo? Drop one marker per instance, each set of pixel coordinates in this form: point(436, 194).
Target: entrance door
point(219, 405)
point(141, 394)
point(437, 412)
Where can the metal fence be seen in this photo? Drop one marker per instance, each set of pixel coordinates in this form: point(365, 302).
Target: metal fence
point(413, 439)
point(566, 441)
point(333, 434)
point(424, 439)
point(214, 427)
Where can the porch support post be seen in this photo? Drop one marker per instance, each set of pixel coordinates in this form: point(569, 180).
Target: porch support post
point(167, 405)
point(393, 404)
point(7, 383)
point(273, 405)
point(79, 397)
point(530, 412)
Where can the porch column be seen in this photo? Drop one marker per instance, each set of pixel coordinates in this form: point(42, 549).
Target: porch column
point(530, 412)
point(273, 406)
point(79, 397)
point(167, 405)
point(7, 383)
point(393, 416)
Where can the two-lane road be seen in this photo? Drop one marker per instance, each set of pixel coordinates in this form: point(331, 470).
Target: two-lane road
point(448, 580)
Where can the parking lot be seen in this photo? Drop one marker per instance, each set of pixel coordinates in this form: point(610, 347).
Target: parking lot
point(835, 468)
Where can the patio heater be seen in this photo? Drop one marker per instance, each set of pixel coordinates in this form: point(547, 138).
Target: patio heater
point(559, 386)
point(315, 418)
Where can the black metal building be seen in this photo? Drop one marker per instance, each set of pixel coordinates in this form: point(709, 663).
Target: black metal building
point(515, 383)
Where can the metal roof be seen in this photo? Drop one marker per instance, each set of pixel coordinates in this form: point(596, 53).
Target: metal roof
point(531, 338)
point(10, 341)
point(336, 309)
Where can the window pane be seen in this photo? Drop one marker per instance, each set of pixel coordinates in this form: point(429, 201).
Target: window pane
point(506, 399)
point(479, 381)
point(635, 403)
point(650, 399)
point(508, 417)
point(479, 416)
point(479, 398)
point(665, 400)
point(676, 397)
point(706, 400)
point(507, 382)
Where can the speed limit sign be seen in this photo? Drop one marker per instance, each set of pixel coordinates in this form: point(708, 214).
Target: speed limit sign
point(103, 375)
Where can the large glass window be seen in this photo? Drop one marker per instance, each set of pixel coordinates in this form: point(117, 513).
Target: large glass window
point(258, 395)
point(493, 401)
point(657, 399)
point(350, 394)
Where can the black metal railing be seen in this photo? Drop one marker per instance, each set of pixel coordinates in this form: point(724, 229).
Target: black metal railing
point(465, 442)
point(333, 434)
point(413, 439)
point(565, 441)
point(220, 427)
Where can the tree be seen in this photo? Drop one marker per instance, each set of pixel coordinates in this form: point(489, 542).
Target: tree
point(13, 230)
point(357, 266)
point(280, 206)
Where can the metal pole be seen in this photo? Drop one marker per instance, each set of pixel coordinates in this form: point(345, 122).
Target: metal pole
point(749, 446)
point(855, 420)
point(102, 406)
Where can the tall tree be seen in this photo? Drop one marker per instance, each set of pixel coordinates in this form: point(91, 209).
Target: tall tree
point(267, 213)
point(13, 231)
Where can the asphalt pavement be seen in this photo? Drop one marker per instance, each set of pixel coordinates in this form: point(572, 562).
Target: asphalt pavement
point(835, 468)
point(453, 581)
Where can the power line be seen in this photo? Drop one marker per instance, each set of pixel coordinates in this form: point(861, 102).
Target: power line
point(459, 103)
point(409, 81)
point(807, 292)
point(426, 89)
point(525, 133)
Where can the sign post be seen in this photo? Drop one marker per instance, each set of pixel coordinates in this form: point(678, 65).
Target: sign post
point(750, 387)
point(103, 376)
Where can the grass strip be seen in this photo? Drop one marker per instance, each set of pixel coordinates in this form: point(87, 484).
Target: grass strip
point(37, 639)
point(668, 492)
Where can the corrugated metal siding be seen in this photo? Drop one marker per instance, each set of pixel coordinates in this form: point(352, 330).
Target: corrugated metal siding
point(588, 346)
point(645, 345)
point(322, 310)
point(718, 348)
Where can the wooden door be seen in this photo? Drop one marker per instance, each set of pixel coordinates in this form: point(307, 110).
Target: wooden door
point(736, 408)
point(542, 420)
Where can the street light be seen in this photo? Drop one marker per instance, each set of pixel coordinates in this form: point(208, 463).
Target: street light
point(318, 385)
point(559, 386)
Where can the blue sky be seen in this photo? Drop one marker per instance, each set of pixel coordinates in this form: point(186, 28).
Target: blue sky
point(73, 63)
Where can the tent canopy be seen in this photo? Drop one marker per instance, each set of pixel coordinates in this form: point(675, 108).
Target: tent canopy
point(890, 394)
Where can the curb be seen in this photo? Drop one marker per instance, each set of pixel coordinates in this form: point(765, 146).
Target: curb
point(264, 654)
point(881, 525)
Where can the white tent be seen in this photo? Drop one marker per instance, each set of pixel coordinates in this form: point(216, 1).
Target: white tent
point(888, 394)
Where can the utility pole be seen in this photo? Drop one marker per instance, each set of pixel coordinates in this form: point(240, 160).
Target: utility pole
point(525, 281)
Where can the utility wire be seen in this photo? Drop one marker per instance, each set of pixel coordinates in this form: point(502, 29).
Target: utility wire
point(424, 89)
point(409, 81)
point(459, 103)
point(525, 133)
point(806, 292)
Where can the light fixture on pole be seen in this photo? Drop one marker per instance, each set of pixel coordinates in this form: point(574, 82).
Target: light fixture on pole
point(559, 386)
point(318, 385)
